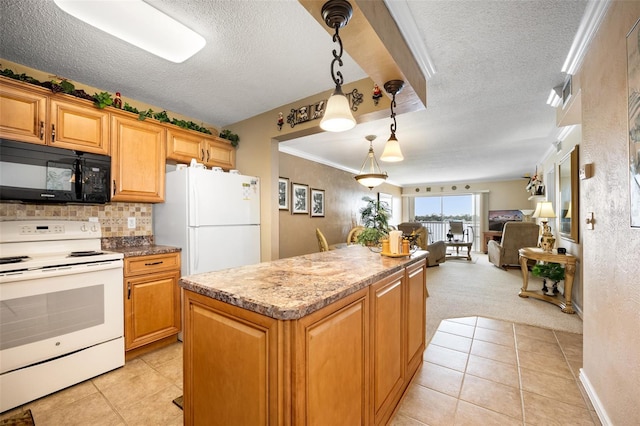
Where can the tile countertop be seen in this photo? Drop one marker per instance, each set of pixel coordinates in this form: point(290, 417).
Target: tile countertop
point(292, 288)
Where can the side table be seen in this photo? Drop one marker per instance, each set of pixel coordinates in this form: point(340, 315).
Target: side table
point(537, 254)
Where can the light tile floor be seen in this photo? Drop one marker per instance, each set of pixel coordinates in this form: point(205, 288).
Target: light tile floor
point(476, 371)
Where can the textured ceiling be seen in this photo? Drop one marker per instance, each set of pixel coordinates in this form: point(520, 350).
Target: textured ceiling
point(486, 117)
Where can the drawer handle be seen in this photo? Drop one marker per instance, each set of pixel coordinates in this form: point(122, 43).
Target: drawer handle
point(160, 262)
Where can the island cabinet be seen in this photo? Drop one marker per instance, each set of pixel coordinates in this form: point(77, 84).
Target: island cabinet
point(151, 302)
point(35, 115)
point(248, 361)
point(138, 152)
point(182, 146)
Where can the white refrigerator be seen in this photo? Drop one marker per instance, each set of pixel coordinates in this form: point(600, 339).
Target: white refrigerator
point(213, 216)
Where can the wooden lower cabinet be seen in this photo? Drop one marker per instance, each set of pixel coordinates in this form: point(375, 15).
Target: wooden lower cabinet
point(348, 363)
point(332, 362)
point(416, 315)
point(231, 365)
point(388, 340)
point(151, 301)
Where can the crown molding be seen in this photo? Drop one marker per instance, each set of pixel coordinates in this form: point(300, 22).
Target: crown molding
point(593, 16)
point(404, 18)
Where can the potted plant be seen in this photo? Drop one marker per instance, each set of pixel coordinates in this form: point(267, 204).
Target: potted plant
point(551, 271)
point(374, 216)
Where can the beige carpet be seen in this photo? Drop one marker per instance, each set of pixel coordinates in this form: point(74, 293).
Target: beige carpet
point(458, 288)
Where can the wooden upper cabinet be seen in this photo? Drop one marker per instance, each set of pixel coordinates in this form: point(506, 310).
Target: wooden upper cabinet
point(183, 146)
point(138, 155)
point(23, 112)
point(32, 114)
point(78, 125)
point(220, 153)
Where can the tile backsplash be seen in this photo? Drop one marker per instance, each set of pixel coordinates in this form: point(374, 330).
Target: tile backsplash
point(113, 217)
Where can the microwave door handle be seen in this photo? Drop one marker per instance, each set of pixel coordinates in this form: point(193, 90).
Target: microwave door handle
point(77, 171)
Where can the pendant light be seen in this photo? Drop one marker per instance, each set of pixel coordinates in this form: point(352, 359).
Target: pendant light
point(370, 173)
point(337, 116)
point(392, 152)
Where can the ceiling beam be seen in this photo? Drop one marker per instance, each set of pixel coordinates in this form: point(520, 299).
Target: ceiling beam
point(374, 41)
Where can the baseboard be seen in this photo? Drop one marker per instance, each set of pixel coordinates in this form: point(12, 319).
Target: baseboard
point(595, 401)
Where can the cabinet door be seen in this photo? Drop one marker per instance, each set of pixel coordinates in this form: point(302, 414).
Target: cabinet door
point(151, 308)
point(388, 344)
point(333, 364)
point(416, 314)
point(231, 365)
point(219, 153)
point(79, 125)
point(183, 146)
point(137, 160)
point(22, 113)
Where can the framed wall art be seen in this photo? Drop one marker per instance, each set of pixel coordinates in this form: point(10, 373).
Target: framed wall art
point(299, 198)
point(317, 202)
point(283, 193)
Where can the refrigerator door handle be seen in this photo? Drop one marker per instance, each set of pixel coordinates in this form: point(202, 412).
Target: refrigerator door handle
point(195, 253)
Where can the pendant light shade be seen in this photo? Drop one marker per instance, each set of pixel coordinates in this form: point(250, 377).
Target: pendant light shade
point(370, 173)
point(392, 151)
point(337, 115)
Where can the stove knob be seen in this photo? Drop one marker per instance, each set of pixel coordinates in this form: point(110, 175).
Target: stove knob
point(83, 228)
point(94, 228)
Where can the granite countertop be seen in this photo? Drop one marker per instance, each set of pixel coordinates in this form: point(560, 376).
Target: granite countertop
point(292, 288)
point(145, 250)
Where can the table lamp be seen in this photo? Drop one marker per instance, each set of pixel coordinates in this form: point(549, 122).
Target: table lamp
point(544, 211)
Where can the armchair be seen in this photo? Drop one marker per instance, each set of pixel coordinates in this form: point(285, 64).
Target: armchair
point(437, 250)
point(515, 236)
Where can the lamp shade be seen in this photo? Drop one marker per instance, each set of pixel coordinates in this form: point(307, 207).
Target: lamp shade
point(568, 214)
point(370, 174)
point(392, 152)
point(371, 180)
point(337, 116)
point(527, 212)
point(544, 209)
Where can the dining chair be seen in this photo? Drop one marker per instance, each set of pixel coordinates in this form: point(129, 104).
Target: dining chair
point(322, 241)
point(352, 237)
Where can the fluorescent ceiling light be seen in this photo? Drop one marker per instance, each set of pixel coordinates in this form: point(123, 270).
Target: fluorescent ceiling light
point(140, 24)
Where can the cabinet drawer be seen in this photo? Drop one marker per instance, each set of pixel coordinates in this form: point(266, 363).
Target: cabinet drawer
point(140, 265)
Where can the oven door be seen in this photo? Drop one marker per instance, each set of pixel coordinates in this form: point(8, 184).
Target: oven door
point(49, 313)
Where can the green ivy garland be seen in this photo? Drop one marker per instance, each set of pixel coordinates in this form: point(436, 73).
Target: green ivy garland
point(104, 99)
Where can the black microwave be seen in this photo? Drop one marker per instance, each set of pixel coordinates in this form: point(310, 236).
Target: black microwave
point(45, 174)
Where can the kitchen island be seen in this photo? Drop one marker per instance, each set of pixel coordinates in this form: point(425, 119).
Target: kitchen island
point(326, 338)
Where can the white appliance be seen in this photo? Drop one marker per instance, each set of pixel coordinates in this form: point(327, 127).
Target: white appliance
point(213, 216)
point(61, 309)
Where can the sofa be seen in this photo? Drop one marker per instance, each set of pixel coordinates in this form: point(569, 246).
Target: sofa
point(515, 236)
point(437, 250)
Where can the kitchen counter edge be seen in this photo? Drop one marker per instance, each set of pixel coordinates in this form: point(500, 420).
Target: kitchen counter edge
point(291, 288)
